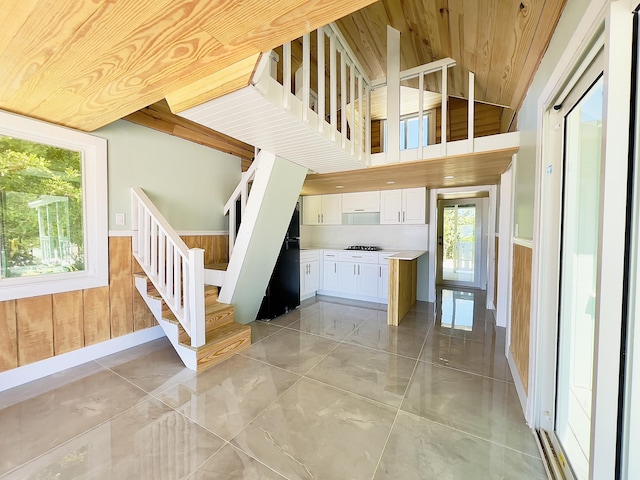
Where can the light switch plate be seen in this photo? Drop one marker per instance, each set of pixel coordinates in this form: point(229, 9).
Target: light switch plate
point(120, 219)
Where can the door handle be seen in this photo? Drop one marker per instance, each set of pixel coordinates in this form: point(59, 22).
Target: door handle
point(403, 216)
point(354, 269)
point(322, 215)
point(358, 269)
point(380, 269)
point(398, 216)
point(318, 218)
point(335, 268)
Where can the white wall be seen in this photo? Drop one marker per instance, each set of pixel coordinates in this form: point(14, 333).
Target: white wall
point(389, 237)
point(524, 185)
point(188, 182)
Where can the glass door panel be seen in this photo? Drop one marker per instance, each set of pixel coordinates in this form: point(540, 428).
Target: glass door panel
point(579, 259)
point(459, 244)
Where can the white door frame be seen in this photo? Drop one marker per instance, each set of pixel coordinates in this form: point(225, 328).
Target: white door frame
point(617, 17)
point(505, 252)
point(490, 234)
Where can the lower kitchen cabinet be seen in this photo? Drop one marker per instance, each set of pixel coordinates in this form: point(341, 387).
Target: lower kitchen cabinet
point(383, 281)
point(309, 273)
point(353, 274)
point(330, 280)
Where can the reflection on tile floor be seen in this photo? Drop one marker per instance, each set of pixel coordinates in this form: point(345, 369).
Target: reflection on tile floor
point(328, 391)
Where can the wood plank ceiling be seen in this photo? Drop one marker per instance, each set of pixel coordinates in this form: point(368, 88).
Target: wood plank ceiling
point(501, 41)
point(85, 64)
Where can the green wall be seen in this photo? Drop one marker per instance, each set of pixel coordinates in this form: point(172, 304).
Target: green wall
point(524, 183)
point(189, 183)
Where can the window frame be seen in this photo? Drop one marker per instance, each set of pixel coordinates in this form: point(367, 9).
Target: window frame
point(94, 201)
point(428, 114)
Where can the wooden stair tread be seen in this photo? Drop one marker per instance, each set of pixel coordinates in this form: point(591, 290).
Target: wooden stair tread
point(217, 266)
point(220, 334)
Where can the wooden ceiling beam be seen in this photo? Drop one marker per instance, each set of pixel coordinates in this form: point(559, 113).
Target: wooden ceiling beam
point(159, 117)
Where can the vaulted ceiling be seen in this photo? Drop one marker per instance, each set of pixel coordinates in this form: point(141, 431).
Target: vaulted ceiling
point(86, 63)
point(501, 41)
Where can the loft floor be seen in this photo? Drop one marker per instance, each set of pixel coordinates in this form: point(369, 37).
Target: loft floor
point(326, 391)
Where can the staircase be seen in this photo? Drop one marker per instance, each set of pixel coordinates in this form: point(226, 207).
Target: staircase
point(223, 336)
point(204, 310)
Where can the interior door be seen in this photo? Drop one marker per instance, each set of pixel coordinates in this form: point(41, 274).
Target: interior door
point(459, 243)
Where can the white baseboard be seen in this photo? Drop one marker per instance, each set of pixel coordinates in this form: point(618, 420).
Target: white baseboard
point(33, 371)
point(522, 395)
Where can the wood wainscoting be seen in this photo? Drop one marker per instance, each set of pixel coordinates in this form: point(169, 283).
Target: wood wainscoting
point(521, 310)
point(37, 328)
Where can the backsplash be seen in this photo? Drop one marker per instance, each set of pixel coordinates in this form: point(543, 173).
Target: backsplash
point(407, 237)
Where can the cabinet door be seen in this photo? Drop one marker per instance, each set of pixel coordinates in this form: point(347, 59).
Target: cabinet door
point(311, 209)
point(313, 277)
point(414, 203)
point(347, 277)
point(331, 209)
point(304, 268)
point(390, 206)
point(361, 202)
point(367, 283)
point(383, 281)
point(330, 276)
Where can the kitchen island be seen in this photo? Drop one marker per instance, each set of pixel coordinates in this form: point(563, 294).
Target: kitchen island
point(403, 282)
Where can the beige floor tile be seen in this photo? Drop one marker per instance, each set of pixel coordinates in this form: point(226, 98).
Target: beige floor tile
point(34, 426)
point(225, 399)
point(149, 441)
point(315, 431)
point(232, 464)
point(373, 374)
point(419, 449)
point(471, 403)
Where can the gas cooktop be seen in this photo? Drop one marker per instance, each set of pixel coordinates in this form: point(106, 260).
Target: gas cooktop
point(368, 248)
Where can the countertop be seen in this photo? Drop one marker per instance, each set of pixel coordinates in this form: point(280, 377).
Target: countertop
point(397, 252)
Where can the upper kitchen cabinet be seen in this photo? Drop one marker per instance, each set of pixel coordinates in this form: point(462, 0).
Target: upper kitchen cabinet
point(407, 206)
point(358, 202)
point(322, 209)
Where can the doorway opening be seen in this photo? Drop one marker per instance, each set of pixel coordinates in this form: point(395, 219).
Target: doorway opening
point(461, 252)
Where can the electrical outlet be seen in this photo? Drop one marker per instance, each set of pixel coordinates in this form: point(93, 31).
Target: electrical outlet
point(120, 219)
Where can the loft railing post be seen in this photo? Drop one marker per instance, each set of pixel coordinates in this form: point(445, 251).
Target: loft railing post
point(306, 76)
point(358, 137)
point(343, 98)
point(352, 96)
point(286, 74)
point(333, 87)
point(471, 110)
point(321, 80)
point(368, 122)
point(195, 309)
point(443, 126)
point(421, 116)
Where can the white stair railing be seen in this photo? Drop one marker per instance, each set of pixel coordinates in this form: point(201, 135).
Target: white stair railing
point(176, 271)
point(241, 193)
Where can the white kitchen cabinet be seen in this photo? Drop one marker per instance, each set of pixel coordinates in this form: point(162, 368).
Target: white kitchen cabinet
point(322, 209)
point(330, 273)
point(383, 281)
point(367, 279)
point(360, 202)
point(309, 273)
point(407, 206)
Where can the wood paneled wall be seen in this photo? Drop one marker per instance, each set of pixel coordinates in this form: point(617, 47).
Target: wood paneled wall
point(486, 120)
point(521, 310)
point(36, 328)
point(376, 131)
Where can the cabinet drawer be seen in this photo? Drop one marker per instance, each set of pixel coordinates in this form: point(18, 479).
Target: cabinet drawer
point(309, 255)
point(331, 254)
point(358, 257)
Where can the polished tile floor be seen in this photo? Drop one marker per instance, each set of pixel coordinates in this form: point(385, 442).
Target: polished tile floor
point(328, 391)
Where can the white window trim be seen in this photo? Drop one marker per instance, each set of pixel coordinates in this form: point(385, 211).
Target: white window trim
point(94, 192)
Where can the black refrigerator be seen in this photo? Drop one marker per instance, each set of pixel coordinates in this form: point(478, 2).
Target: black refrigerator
point(283, 291)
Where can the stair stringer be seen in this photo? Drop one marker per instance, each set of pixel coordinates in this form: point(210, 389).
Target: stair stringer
point(274, 193)
point(171, 330)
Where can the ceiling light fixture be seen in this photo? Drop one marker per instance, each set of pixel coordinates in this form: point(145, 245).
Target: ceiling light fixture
point(391, 182)
point(339, 186)
point(449, 177)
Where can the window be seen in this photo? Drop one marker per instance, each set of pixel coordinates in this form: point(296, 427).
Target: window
point(409, 132)
point(53, 209)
